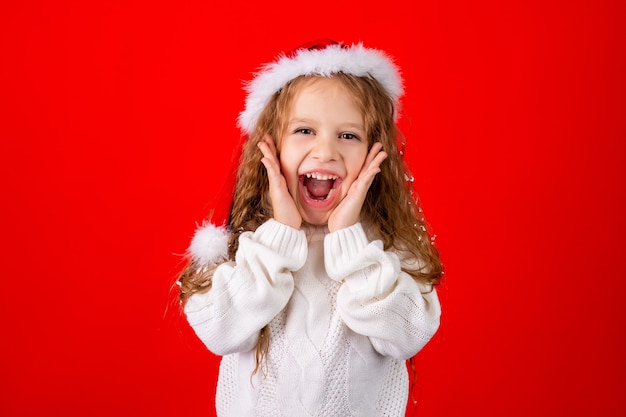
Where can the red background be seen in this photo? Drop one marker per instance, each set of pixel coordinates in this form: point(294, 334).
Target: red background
point(117, 121)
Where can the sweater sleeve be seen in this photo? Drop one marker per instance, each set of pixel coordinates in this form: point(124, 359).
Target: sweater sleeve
point(247, 294)
point(377, 298)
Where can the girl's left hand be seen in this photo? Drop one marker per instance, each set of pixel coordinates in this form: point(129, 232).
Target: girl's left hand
point(348, 211)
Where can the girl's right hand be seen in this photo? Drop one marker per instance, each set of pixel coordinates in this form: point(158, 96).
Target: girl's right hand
point(285, 210)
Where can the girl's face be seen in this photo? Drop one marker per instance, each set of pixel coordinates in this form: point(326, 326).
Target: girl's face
point(324, 147)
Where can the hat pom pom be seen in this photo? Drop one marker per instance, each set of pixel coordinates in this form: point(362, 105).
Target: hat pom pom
point(209, 244)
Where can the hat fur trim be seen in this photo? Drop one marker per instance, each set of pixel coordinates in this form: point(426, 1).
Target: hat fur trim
point(355, 60)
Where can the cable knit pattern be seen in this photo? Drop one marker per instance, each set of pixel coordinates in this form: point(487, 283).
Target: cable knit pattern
point(342, 318)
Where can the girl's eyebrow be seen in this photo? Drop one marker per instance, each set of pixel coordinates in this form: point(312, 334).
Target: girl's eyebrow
point(300, 121)
point(358, 126)
point(344, 125)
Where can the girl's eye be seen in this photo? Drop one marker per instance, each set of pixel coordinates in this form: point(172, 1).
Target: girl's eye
point(350, 136)
point(304, 131)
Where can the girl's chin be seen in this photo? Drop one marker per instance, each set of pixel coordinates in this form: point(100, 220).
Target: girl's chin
point(315, 216)
point(315, 219)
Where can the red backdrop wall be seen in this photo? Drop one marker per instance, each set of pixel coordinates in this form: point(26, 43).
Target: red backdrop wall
point(117, 121)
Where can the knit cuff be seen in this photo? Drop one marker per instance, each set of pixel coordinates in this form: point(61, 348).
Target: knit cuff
point(342, 248)
point(282, 239)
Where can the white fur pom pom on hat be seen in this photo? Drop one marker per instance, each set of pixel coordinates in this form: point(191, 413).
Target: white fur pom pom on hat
point(209, 244)
point(324, 60)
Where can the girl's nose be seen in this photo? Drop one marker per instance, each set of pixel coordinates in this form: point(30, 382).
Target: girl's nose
point(325, 148)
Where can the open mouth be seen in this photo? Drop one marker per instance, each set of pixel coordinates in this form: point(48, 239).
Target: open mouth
point(319, 186)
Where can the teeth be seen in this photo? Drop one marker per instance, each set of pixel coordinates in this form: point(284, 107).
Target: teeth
point(318, 176)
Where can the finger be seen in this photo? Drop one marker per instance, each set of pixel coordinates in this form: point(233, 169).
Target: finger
point(270, 142)
point(271, 146)
point(380, 157)
point(375, 150)
point(373, 160)
point(372, 163)
point(366, 177)
point(266, 145)
point(270, 161)
point(266, 151)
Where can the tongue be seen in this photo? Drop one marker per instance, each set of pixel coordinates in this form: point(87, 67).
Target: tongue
point(318, 189)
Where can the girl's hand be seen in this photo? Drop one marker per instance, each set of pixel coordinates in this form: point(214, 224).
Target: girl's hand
point(348, 211)
point(283, 206)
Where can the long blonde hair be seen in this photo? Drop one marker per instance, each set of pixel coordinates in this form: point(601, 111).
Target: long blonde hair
point(394, 216)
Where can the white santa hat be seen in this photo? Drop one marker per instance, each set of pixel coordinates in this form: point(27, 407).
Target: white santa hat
point(322, 58)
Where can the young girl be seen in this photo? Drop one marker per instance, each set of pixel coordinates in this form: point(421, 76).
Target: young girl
point(320, 285)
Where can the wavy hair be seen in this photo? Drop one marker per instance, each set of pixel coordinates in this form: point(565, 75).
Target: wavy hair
point(391, 209)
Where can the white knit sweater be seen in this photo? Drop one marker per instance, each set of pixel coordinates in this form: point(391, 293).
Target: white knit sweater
point(343, 317)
